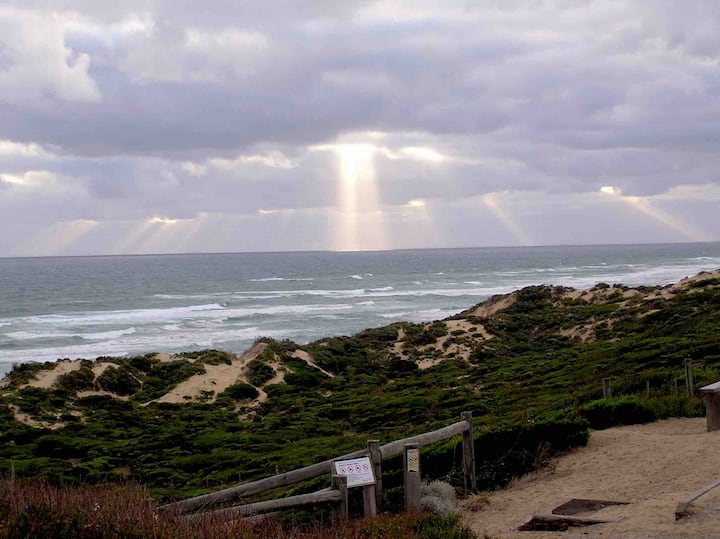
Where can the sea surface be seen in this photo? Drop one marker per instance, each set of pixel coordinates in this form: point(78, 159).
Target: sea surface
point(86, 307)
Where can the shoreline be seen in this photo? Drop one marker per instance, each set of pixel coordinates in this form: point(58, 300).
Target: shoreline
point(486, 309)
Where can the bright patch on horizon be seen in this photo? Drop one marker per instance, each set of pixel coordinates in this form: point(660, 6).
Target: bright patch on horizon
point(417, 203)
point(422, 153)
point(164, 220)
point(610, 190)
point(12, 179)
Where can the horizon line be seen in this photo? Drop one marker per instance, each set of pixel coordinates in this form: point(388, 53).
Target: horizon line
point(402, 249)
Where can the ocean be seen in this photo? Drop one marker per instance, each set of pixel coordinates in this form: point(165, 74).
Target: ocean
point(87, 307)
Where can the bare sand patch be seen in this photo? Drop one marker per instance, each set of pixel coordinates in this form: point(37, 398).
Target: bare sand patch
point(494, 305)
point(307, 358)
point(99, 368)
point(688, 281)
point(47, 378)
point(651, 466)
point(22, 417)
point(216, 378)
point(279, 378)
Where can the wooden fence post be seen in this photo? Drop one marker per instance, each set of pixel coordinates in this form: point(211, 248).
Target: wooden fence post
point(339, 483)
point(411, 474)
point(607, 388)
point(376, 460)
point(369, 504)
point(689, 376)
point(468, 447)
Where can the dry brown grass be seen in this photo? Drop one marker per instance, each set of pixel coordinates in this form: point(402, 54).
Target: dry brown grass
point(37, 509)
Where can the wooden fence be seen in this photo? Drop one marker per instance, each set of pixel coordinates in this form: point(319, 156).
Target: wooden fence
point(337, 493)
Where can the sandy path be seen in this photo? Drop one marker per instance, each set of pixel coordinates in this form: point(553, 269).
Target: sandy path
point(651, 466)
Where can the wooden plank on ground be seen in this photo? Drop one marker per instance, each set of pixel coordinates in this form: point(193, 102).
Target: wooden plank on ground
point(583, 505)
point(682, 507)
point(550, 522)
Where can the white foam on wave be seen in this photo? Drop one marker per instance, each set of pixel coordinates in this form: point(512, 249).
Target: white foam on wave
point(382, 289)
point(270, 279)
point(387, 291)
point(209, 295)
point(638, 275)
point(162, 342)
point(99, 335)
point(121, 316)
point(31, 335)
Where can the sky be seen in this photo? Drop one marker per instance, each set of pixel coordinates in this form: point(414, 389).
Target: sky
point(159, 126)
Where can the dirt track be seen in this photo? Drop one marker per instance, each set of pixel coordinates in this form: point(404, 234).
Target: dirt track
point(651, 466)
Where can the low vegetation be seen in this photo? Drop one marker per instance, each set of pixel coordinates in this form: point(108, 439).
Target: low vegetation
point(528, 365)
point(37, 509)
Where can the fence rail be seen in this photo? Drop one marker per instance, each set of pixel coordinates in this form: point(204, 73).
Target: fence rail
point(463, 427)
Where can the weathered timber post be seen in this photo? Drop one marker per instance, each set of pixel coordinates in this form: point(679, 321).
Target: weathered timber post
point(711, 394)
point(647, 389)
point(607, 388)
point(468, 447)
point(376, 460)
point(411, 474)
point(339, 483)
point(369, 503)
point(689, 376)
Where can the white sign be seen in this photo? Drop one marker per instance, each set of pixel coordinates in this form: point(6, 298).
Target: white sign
point(359, 472)
point(413, 460)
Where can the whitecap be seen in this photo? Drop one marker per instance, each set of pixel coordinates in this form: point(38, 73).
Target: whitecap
point(108, 334)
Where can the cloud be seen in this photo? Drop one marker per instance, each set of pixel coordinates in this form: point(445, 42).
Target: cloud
point(153, 108)
point(37, 64)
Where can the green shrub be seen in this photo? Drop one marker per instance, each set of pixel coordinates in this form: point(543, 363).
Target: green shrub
point(259, 372)
point(120, 380)
point(605, 413)
point(210, 357)
point(419, 335)
point(240, 391)
point(441, 527)
point(81, 379)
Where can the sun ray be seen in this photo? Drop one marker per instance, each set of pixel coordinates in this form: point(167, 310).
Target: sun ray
point(59, 238)
point(490, 202)
point(359, 217)
point(645, 206)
